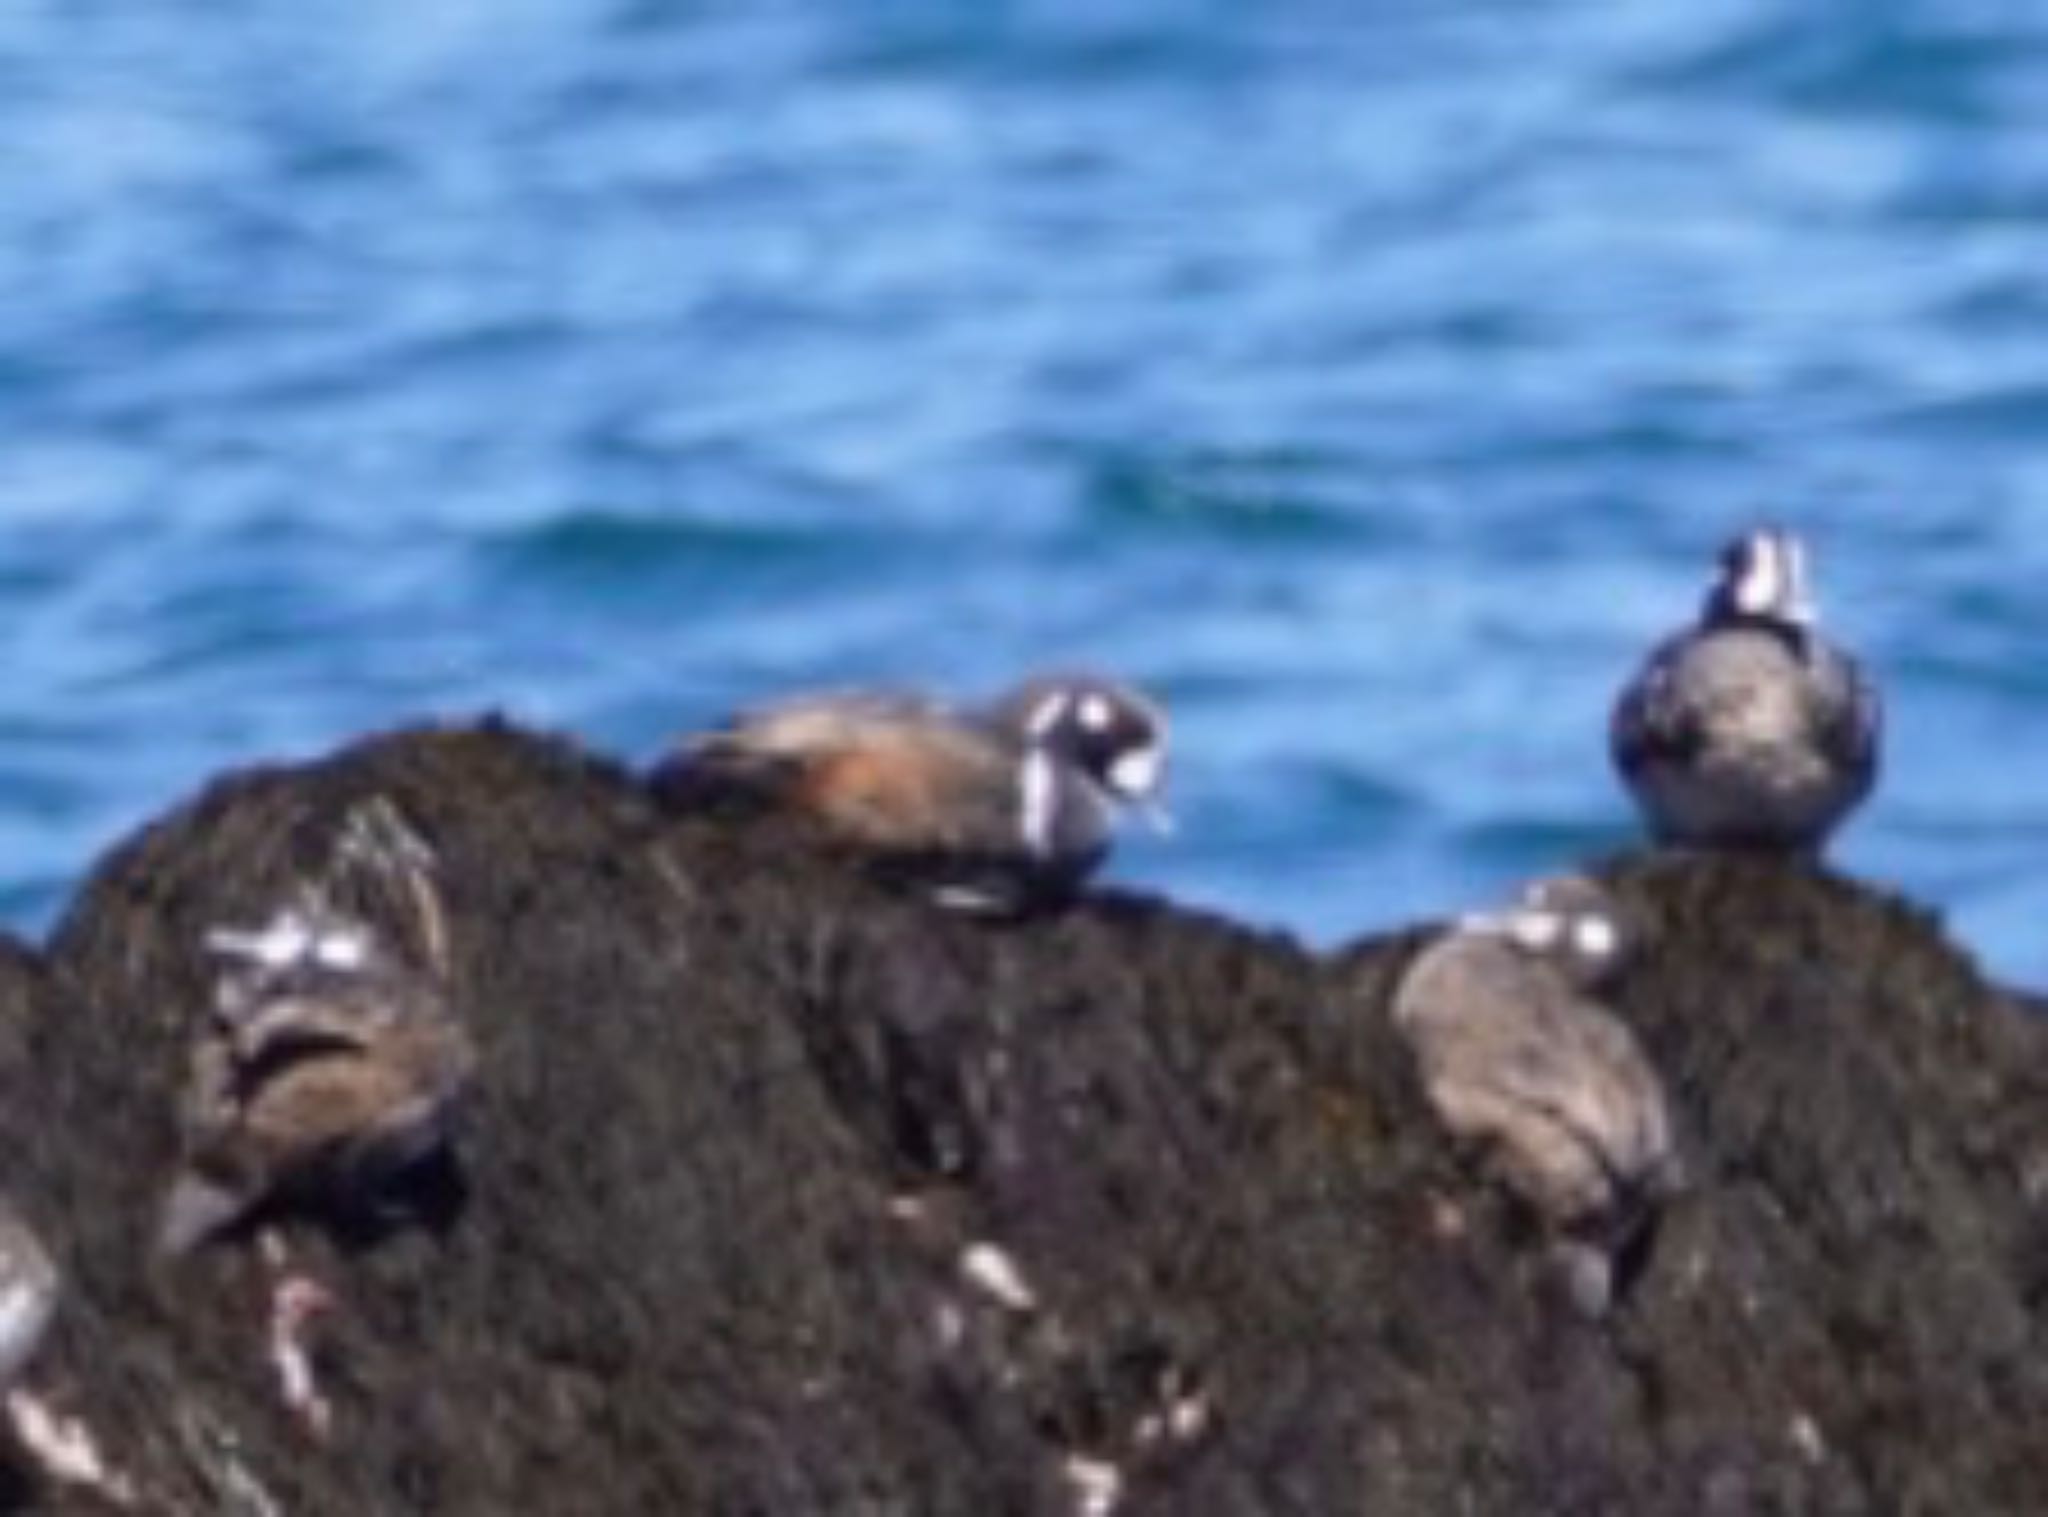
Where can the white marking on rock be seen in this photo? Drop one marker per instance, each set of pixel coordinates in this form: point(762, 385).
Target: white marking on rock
point(1189, 1417)
point(968, 901)
point(993, 1272)
point(25, 1311)
point(64, 1447)
point(908, 1206)
point(1098, 1485)
point(295, 1303)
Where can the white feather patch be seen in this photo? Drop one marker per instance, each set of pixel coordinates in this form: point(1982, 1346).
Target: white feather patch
point(1595, 937)
point(1136, 774)
point(289, 939)
point(1537, 931)
point(1763, 589)
point(1038, 784)
point(286, 939)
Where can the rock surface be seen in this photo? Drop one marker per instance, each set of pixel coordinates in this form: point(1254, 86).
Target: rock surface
point(785, 1195)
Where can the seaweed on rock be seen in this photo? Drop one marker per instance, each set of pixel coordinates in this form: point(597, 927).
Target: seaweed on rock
point(786, 1193)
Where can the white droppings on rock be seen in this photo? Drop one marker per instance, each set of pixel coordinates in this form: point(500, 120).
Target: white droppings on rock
point(1807, 1439)
point(996, 1275)
point(64, 1448)
point(1098, 1485)
point(949, 1325)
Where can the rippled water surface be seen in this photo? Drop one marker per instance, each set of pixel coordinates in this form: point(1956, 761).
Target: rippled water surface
point(1374, 379)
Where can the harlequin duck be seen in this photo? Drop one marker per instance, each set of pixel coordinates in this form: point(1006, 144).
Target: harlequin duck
point(1748, 730)
point(993, 809)
point(1517, 1057)
point(327, 1068)
point(323, 1068)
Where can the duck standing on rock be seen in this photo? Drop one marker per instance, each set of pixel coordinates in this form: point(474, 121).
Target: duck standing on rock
point(991, 810)
point(1749, 731)
point(1515, 1056)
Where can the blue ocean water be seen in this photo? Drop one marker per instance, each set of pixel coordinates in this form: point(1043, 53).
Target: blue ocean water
point(1375, 380)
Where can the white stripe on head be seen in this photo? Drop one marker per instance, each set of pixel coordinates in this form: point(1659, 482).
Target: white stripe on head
point(1770, 579)
point(1048, 714)
point(1761, 587)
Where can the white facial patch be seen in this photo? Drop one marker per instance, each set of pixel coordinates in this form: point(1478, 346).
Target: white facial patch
point(1096, 713)
point(1537, 931)
point(287, 939)
point(1136, 774)
point(1596, 938)
point(341, 948)
point(1763, 588)
point(1771, 582)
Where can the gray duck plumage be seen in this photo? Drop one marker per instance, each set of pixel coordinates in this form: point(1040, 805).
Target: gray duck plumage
point(1518, 1058)
point(1749, 730)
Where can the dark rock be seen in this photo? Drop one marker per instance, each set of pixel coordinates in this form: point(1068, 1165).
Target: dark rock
point(787, 1194)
